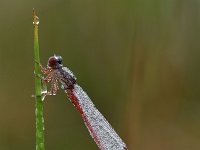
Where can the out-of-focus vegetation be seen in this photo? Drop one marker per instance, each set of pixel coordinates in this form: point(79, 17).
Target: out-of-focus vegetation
point(138, 61)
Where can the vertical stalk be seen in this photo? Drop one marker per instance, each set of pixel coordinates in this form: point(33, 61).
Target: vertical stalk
point(38, 96)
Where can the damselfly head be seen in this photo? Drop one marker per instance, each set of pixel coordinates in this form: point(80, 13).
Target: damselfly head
point(55, 62)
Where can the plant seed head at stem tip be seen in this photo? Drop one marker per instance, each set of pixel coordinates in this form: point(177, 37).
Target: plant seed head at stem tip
point(35, 18)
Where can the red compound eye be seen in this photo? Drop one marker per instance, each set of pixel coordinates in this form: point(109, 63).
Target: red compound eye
point(52, 62)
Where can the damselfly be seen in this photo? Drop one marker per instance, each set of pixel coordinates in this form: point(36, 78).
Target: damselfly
point(100, 130)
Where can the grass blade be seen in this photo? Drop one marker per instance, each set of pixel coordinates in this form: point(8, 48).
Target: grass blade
point(38, 96)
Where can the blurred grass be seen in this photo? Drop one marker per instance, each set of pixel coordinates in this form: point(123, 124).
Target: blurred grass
point(137, 60)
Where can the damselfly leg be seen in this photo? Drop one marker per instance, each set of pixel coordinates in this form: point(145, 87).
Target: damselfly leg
point(50, 77)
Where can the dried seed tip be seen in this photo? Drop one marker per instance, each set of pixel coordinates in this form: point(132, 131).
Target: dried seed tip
point(35, 18)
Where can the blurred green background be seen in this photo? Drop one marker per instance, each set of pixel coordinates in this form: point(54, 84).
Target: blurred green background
point(138, 60)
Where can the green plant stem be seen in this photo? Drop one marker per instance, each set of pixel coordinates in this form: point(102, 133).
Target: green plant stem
point(38, 96)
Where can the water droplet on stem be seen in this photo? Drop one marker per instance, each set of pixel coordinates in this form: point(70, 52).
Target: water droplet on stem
point(36, 20)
